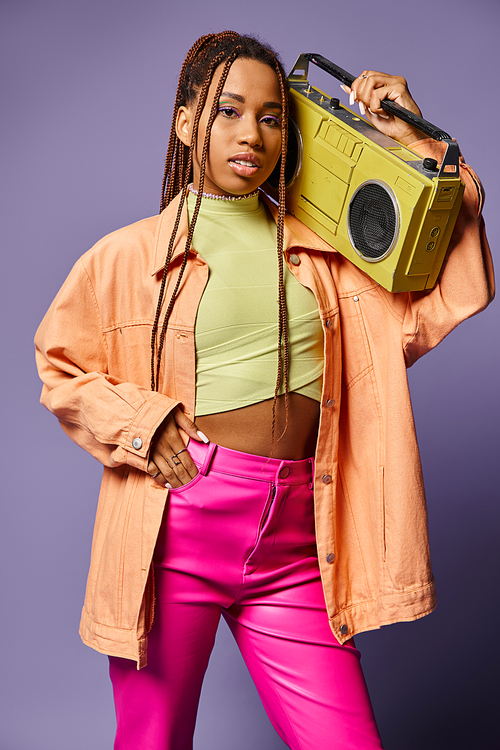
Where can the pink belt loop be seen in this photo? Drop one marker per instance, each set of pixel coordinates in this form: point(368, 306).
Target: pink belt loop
point(211, 449)
point(311, 483)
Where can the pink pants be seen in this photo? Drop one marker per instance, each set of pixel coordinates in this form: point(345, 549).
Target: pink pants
point(238, 540)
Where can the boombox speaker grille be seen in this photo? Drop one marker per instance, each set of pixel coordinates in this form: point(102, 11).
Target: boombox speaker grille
point(373, 221)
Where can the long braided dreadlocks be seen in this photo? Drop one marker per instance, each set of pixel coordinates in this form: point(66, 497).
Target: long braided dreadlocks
point(202, 60)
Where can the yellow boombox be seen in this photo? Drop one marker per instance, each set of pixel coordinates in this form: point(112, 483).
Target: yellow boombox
point(374, 200)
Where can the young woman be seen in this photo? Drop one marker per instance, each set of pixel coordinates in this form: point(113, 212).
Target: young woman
point(260, 459)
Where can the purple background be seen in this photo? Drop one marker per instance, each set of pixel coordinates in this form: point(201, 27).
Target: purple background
point(87, 90)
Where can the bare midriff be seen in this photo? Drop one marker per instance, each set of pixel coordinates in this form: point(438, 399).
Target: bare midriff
point(249, 429)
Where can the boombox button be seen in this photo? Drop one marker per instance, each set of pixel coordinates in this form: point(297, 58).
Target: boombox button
point(430, 164)
point(335, 103)
point(435, 231)
point(295, 259)
point(430, 246)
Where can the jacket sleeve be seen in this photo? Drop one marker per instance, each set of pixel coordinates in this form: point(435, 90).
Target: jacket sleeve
point(466, 283)
point(113, 420)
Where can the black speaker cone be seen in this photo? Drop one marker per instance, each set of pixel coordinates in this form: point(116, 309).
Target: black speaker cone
point(373, 221)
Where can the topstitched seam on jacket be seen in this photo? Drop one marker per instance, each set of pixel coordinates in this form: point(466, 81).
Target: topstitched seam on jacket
point(96, 304)
point(358, 377)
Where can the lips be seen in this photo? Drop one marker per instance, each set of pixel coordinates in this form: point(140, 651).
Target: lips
point(245, 159)
point(244, 165)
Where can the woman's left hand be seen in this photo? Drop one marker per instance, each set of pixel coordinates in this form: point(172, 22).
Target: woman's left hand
point(370, 88)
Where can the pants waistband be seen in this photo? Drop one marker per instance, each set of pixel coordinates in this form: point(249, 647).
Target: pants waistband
point(236, 463)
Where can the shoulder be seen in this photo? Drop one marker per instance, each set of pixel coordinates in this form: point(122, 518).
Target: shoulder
point(132, 245)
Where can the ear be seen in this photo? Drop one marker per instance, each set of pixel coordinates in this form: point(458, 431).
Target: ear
point(183, 125)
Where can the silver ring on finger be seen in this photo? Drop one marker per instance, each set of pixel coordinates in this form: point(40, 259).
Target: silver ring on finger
point(176, 463)
point(153, 476)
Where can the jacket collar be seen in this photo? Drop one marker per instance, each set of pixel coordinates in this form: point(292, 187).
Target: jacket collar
point(296, 234)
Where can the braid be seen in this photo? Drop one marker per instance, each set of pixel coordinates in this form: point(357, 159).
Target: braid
point(202, 60)
point(192, 223)
point(175, 161)
point(178, 167)
point(283, 343)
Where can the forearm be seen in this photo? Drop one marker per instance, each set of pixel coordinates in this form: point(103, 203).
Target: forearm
point(466, 283)
point(113, 421)
point(113, 418)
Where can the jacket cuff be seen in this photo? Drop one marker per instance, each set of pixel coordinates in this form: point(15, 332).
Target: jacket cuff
point(143, 427)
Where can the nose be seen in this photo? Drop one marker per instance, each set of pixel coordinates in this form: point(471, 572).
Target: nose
point(250, 132)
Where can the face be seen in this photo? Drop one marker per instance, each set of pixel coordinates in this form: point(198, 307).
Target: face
point(245, 141)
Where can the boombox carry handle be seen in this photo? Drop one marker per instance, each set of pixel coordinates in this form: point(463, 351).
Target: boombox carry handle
point(394, 109)
point(449, 165)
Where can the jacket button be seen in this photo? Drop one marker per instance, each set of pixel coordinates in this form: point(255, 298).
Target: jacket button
point(329, 323)
point(344, 629)
point(330, 402)
point(356, 299)
point(137, 443)
point(327, 479)
point(295, 259)
point(330, 557)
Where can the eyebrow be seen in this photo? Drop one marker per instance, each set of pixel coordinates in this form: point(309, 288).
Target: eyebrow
point(239, 98)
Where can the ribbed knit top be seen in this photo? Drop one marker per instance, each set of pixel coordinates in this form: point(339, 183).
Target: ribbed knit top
point(236, 331)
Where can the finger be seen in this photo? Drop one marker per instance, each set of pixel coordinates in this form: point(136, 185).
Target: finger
point(369, 97)
point(380, 86)
point(168, 452)
point(177, 469)
point(357, 91)
point(188, 426)
point(156, 474)
point(172, 458)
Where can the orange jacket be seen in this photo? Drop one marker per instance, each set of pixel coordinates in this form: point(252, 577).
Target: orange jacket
point(93, 353)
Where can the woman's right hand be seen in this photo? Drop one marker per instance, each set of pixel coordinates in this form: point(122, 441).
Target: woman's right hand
point(170, 464)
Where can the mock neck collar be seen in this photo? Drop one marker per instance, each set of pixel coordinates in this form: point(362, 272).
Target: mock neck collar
point(220, 207)
point(296, 233)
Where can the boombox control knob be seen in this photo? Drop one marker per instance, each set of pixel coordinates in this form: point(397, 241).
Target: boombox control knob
point(335, 103)
point(430, 164)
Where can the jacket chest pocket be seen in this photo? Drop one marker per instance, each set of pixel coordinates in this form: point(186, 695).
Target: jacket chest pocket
point(129, 352)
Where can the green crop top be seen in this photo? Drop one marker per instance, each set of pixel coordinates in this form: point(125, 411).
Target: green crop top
point(236, 329)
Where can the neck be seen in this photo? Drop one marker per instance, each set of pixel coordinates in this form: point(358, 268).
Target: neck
point(213, 196)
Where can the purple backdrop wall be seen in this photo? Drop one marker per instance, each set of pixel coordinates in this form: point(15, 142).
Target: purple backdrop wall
point(86, 92)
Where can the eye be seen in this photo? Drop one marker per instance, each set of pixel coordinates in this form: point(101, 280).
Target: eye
point(228, 112)
point(271, 120)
